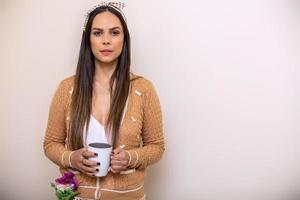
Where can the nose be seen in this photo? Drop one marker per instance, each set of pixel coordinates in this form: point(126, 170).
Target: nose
point(106, 39)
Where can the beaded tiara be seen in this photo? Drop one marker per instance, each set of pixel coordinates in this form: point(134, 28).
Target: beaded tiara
point(118, 6)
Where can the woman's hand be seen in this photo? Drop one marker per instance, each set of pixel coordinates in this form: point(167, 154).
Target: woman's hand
point(79, 160)
point(119, 160)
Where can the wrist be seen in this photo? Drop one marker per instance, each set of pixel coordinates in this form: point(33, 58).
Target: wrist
point(129, 159)
point(65, 159)
point(70, 159)
point(133, 159)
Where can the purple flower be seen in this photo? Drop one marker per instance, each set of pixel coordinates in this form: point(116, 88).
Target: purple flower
point(68, 178)
point(74, 185)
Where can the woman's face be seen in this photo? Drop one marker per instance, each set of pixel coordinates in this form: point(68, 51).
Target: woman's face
point(106, 37)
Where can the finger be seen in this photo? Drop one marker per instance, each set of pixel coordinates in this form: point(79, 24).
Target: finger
point(90, 163)
point(89, 154)
point(118, 168)
point(83, 149)
point(113, 171)
point(88, 169)
point(90, 174)
point(119, 156)
point(117, 162)
point(117, 150)
point(115, 159)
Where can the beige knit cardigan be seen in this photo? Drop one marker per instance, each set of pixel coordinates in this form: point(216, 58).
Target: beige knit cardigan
point(141, 132)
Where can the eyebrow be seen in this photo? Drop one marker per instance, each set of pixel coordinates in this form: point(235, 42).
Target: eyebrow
point(96, 28)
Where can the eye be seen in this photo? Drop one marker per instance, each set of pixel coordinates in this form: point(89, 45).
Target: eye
point(97, 33)
point(115, 32)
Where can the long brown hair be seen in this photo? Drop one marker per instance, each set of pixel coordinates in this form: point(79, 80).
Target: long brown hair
point(83, 84)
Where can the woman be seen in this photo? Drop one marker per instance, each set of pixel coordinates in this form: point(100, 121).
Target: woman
point(104, 94)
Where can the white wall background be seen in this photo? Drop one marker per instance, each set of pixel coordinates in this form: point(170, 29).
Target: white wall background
point(227, 73)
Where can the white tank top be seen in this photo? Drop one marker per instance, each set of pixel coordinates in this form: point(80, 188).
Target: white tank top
point(95, 133)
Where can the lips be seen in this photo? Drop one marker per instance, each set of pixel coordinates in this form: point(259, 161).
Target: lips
point(106, 52)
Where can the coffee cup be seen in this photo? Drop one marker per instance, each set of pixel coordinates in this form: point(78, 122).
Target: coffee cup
point(104, 152)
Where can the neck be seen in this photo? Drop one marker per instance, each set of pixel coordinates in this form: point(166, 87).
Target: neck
point(104, 71)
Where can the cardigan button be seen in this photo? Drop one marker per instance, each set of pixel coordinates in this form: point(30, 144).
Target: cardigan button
point(138, 93)
point(133, 119)
point(71, 91)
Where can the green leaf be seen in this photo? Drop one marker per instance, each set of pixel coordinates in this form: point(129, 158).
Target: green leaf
point(72, 195)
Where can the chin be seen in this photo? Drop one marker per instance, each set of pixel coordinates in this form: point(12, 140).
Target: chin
point(107, 60)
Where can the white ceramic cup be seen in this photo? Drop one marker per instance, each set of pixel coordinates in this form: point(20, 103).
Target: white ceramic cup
point(103, 150)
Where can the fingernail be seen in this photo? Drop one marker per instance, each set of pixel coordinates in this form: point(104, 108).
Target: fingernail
point(96, 154)
point(97, 170)
point(98, 163)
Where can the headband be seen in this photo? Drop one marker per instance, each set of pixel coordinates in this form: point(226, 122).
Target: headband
point(118, 6)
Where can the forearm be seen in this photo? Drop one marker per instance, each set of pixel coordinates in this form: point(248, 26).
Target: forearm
point(57, 152)
point(152, 132)
point(55, 134)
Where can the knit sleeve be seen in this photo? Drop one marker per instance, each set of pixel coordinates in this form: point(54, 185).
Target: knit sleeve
point(152, 132)
point(55, 136)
